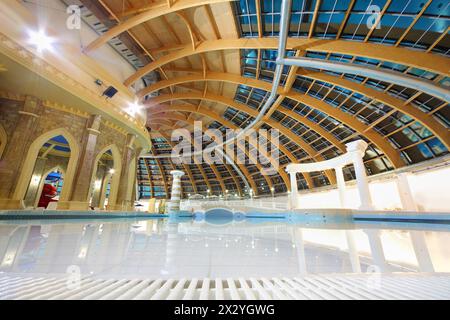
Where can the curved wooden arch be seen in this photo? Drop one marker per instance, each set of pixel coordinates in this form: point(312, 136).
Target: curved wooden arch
point(429, 122)
point(30, 160)
point(189, 121)
point(154, 11)
point(434, 126)
point(283, 149)
point(392, 154)
point(214, 116)
point(250, 156)
point(422, 60)
point(189, 28)
point(164, 122)
point(182, 118)
point(200, 168)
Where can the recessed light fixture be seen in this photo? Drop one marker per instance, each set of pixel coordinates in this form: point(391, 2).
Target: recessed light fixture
point(133, 108)
point(40, 40)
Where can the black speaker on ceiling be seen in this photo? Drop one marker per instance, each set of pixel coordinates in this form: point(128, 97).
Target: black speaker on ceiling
point(110, 92)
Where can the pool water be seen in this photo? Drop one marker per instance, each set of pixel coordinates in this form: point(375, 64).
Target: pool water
point(188, 248)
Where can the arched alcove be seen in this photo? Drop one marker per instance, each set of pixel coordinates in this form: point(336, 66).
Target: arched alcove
point(54, 176)
point(105, 177)
point(39, 148)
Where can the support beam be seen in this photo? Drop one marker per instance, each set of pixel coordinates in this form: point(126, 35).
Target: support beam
point(397, 104)
point(227, 77)
point(223, 122)
point(252, 112)
point(392, 154)
point(419, 59)
point(373, 73)
point(154, 11)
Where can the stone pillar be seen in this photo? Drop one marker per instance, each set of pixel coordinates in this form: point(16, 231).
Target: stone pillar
point(357, 150)
point(405, 193)
point(341, 186)
point(106, 180)
point(36, 180)
point(135, 194)
point(294, 190)
point(125, 192)
point(174, 204)
point(16, 151)
point(99, 182)
point(82, 180)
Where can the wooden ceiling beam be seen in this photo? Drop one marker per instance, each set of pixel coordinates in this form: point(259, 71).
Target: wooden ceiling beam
point(212, 115)
point(153, 11)
point(392, 154)
point(418, 59)
point(433, 125)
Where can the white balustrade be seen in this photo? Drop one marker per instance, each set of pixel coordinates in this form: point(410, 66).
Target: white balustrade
point(354, 155)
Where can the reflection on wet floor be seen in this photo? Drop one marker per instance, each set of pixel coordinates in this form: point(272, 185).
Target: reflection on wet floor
point(159, 248)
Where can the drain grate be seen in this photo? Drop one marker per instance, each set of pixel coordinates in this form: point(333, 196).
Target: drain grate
point(322, 287)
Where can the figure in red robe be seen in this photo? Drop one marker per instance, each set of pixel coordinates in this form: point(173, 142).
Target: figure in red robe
point(48, 193)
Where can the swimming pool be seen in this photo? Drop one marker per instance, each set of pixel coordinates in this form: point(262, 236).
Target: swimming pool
point(186, 248)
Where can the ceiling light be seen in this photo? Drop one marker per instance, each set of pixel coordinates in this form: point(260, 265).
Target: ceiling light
point(134, 108)
point(112, 171)
point(40, 40)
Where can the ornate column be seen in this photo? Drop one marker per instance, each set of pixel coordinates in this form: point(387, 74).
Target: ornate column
point(16, 151)
point(341, 186)
point(135, 193)
point(357, 150)
point(82, 180)
point(174, 204)
point(36, 180)
point(125, 191)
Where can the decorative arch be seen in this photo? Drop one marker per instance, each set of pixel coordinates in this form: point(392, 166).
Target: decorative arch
point(117, 160)
point(30, 161)
point(3, 140)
